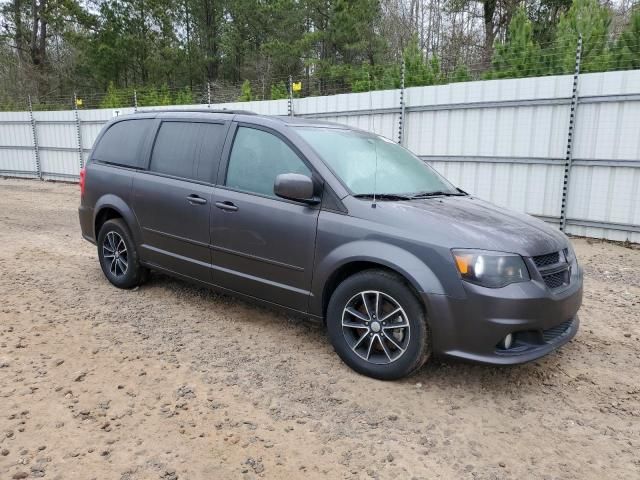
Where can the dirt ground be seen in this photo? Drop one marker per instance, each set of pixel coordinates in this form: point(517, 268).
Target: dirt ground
point(172, 381)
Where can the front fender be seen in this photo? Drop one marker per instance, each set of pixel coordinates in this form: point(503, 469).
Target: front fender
point(412, 268)
point(119, 205)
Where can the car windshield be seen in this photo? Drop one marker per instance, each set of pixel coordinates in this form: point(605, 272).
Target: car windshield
point(354, 156)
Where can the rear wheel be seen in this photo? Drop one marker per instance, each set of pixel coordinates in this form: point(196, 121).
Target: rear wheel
point(378, 326)
point(118, 256)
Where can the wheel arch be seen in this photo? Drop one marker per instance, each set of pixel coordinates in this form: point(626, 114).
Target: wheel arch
point(109, 207)
point(344, 262)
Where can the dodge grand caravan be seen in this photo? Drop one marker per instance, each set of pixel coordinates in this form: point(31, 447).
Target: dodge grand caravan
point(334, 223)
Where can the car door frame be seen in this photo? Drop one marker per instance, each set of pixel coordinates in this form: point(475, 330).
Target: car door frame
point(145, 169)
point(318, 180)
point(319, 186)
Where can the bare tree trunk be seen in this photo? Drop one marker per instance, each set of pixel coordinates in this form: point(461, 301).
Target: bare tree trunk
point(489, 9)
point(143, 61)
point(17, 14)
point(211, 42)
point(188, 31)
point(42, 41)
point(34, 33)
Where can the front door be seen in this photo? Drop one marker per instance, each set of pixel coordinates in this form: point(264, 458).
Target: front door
point(263, 246)
point(172, 200)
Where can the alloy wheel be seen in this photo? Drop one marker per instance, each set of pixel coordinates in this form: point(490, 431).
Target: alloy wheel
point(376, 327)
point(114, 251)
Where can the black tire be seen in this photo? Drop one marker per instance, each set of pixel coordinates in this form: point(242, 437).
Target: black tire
point(134, 274)
point(415, 340)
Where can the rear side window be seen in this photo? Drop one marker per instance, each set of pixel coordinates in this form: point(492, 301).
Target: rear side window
point(188, 150)
point(122, 143)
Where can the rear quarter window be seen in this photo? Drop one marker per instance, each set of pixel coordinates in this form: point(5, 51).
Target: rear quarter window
point(122, 143)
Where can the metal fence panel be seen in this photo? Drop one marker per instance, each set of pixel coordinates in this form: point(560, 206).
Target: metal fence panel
point(17, 154)
point(502, 140)
point(57, 144)
point(605, 182)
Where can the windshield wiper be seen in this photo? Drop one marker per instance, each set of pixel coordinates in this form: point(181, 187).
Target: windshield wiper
point(438, 193)
point(384, 196)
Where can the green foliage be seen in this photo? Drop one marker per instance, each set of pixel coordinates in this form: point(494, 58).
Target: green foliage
point(592, 20)
point(417, 72)
point(279, 91)
point(184, 97)
point(626, 52)
point(148, 97)
point(246, 94)
point(112, 99)
point(335, 45)
point(544, 16)
point(519, 56)
point(367, 77)
point(460, 74)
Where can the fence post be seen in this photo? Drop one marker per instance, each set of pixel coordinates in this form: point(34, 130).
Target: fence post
point(135, 101)
point(34, 135)
point(570, 136)
point(78, 130)
point(208, 94)
point(290, 103)
point(401, 121)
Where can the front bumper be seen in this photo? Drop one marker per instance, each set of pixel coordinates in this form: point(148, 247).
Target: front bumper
point(472, 328)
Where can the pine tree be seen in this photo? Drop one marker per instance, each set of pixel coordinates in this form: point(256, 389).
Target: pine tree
point(417, 72)
point(279, 91)
point(112, 98)
point(590, 19)
point(184, 97)
point(460, 74)
point(627, 49)
point(164, 98)
point(246, 94)
point(519, 55)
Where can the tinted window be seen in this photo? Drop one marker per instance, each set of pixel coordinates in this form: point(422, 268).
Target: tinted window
point(257, 158)
point(188, 149)
point(122, 143)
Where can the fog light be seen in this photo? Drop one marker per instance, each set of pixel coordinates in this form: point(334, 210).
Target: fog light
point(507, 342)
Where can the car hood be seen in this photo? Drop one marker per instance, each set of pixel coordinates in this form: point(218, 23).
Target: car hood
point(468, 222)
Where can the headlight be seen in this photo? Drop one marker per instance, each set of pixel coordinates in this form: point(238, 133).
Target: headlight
point(490, 269)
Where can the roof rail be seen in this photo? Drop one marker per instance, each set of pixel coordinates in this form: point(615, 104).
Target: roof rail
point(196, 110)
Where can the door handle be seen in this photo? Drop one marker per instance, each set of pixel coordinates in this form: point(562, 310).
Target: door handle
point(228, 206)
point(196, 200)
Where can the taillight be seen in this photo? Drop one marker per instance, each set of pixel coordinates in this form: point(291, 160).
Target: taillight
point(82, 176)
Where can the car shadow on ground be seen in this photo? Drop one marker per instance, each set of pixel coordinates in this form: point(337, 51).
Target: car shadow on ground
point(438, 371)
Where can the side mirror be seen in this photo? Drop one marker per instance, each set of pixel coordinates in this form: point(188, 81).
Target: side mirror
point(294, 186)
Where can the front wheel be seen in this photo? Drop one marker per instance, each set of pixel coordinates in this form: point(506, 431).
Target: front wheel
point(377, 325)
point(118, 255)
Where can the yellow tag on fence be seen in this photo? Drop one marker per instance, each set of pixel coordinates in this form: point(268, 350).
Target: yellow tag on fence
point(78, 102)
point(297, 86)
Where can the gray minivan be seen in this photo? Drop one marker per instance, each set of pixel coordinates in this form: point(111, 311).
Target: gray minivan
point(333, 223)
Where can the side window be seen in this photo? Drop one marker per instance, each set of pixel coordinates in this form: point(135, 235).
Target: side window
point(257, 158)
point(122, 143)
point(188, 149)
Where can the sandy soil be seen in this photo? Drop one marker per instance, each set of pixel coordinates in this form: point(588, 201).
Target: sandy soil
point(171, 381)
